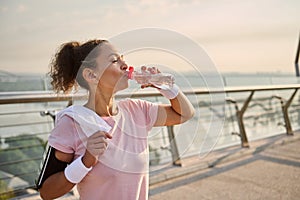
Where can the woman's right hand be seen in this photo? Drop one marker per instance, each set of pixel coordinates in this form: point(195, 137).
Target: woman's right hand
point(96, 146)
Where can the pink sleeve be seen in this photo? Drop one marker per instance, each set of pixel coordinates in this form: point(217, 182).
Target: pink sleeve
point(62, 136)
point(150, 111)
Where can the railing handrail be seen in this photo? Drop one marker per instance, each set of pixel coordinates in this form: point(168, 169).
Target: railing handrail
point(233, 89)
point(48, 96)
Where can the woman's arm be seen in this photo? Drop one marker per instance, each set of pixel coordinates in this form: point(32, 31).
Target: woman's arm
point(178, 112)
point(180, 109)
point(57, 185)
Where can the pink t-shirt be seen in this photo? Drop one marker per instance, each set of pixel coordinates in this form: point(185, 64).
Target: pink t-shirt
point(122, 171)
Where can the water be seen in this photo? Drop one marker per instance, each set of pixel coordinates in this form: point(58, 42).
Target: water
point(184, 80)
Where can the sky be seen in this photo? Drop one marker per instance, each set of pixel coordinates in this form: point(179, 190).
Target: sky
point(254, 36)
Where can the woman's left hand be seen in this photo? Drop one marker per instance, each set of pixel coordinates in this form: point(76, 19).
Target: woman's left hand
point(151, 70)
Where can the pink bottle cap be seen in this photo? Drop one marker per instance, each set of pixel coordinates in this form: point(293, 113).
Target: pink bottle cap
point(131, 69)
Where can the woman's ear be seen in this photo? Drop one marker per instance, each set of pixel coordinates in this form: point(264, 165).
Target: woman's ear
point(90, 76)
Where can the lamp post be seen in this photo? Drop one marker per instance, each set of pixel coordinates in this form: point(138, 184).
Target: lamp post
point(297, 58)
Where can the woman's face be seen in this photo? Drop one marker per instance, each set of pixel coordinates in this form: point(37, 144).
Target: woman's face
point(111, 68)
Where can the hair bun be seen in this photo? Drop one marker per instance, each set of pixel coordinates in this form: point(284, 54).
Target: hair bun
point(67, 62)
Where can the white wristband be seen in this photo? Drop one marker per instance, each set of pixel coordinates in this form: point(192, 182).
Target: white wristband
point(169, 92)
point(76, 171)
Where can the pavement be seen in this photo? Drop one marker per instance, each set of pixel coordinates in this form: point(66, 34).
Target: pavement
point(269, 169)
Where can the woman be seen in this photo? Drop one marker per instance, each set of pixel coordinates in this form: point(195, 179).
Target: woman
point(109, 162)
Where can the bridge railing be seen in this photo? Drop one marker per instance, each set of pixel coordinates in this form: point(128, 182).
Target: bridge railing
point(27, 119)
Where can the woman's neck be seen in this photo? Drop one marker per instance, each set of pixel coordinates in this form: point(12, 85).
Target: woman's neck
point(102, 103)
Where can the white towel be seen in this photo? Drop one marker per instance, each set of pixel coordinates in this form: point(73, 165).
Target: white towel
point(88, 120)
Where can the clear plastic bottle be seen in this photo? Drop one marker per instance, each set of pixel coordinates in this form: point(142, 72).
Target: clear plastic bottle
point(145, 77)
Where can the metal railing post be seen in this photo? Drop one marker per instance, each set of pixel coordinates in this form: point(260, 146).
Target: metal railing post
point(284, 107)
point(239, 115)
point(174, 149)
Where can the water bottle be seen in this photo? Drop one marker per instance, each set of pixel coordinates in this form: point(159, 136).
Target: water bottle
point(145, 77)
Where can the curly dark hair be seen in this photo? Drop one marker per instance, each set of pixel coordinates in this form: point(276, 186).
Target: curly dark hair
point(69, 61)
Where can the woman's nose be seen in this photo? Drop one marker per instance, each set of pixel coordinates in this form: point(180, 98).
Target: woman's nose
point(124, 66)
point(123, 63)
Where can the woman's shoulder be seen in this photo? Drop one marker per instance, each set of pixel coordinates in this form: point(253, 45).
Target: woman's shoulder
point(137, 105)
point(128, 102)
point(65, 125)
